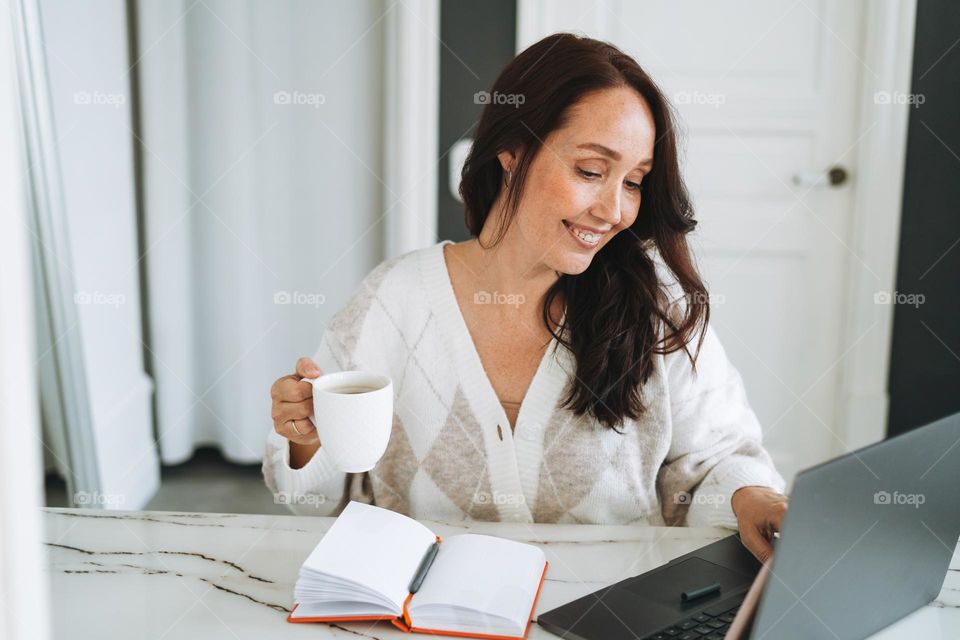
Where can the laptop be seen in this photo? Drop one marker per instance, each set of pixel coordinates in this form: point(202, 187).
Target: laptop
point(867, 539)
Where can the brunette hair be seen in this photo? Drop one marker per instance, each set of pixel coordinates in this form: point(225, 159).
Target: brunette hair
point(618, 312)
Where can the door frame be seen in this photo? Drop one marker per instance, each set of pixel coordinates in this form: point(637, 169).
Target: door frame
point(875, 223)
point(65, 400)
point(411, 56)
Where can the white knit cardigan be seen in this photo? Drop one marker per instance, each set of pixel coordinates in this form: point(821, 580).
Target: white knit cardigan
point(452, 455)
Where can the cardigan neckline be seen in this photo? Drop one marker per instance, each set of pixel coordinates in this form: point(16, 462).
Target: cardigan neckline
point(454, 325)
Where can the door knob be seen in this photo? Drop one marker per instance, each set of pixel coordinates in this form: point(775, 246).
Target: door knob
point(835, 176)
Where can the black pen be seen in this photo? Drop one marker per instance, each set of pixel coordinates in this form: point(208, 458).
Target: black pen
point(700, 592)
point(424, 567)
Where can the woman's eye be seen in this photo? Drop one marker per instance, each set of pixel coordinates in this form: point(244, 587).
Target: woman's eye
point(633, 186)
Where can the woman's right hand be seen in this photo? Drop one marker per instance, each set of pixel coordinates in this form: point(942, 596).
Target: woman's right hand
point(293, 406)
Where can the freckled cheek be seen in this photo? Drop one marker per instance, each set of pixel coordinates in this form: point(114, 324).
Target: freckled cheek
point(568, 199)
point(546, 202)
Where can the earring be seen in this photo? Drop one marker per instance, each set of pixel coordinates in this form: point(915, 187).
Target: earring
point(507, 178)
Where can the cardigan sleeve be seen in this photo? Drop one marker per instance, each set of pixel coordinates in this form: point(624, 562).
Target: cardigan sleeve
point(716, 439)
point(316, 488)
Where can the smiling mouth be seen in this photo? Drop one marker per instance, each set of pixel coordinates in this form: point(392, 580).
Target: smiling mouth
point(584, 237)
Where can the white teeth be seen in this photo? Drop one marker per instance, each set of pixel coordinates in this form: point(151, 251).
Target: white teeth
point(592, 238)
point(589, 238)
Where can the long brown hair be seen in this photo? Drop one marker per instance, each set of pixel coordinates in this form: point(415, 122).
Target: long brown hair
point(618, 313)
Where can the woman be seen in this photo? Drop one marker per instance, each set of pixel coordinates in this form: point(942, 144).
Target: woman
point(559, 366)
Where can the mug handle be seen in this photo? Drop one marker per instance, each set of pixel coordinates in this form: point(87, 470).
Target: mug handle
point(310, 380)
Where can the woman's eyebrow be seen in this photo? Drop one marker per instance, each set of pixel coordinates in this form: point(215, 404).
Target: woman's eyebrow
point(610, 153)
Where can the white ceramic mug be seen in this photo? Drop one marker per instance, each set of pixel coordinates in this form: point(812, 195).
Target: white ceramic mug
point(353, 414)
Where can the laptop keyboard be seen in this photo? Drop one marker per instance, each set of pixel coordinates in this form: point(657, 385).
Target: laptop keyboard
point(710, 624)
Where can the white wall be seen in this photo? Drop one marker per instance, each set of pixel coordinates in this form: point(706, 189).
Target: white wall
point(86, 46)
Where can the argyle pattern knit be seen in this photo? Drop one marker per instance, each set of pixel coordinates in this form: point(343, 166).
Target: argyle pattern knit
point(452, 455)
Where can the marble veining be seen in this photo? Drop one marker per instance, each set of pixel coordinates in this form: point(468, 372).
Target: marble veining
point(202, 575)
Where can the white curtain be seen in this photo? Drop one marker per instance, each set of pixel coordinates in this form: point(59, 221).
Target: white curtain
point(261, 145)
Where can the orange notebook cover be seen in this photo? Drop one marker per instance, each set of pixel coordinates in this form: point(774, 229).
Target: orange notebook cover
point(460, 559)
point(403, 623)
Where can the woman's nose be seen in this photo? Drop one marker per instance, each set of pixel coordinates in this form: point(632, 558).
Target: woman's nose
point(609, 206)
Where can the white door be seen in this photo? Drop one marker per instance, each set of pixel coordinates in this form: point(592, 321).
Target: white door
point(766, 91)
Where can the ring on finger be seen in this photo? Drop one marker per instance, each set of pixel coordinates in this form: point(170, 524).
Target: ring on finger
point(295, 427)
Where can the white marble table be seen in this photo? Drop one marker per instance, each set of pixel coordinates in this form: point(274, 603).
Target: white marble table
point(143, 574)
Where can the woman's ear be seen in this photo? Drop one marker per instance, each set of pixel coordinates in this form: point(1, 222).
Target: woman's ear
point(509, 160)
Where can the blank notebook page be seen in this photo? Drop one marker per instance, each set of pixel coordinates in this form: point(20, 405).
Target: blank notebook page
point(483, 573)
point(375, 547)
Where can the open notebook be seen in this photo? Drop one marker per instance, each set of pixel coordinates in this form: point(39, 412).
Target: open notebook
point(362, 569)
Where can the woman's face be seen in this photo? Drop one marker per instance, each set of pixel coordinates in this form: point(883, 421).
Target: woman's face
point(583, 185)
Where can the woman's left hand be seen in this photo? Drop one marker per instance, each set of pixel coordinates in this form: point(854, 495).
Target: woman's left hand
point(759, 512)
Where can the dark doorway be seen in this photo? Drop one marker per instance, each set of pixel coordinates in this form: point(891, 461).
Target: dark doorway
point(924, 381)
point(478, 40)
